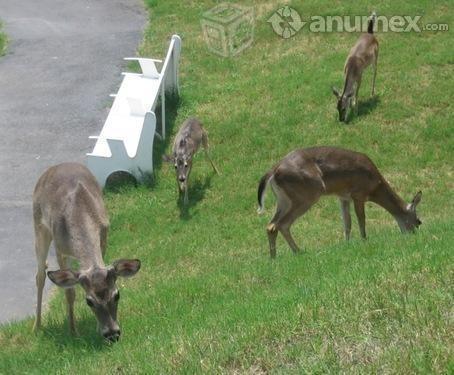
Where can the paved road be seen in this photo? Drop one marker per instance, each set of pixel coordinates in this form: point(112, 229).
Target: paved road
point(64, 58)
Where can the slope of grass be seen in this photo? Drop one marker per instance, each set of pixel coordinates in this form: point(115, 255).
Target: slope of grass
point(208, 299)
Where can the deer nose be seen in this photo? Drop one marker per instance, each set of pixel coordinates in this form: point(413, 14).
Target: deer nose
point(112, 336)
point(181, 178)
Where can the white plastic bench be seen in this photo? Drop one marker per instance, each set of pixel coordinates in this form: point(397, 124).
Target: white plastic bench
point(126, 139)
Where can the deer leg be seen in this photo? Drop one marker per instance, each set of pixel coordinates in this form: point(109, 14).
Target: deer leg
point(42, 242)
point(283, 206)
point(271, 230)
point(286, 221)
point(285, 231)
point(359, 210)
point(180, 191)
point(346, 218)
point(211, 162)
point(186, 199)
point(358, 85)
point(69, 293)
point(206, 149)
point(375, 73)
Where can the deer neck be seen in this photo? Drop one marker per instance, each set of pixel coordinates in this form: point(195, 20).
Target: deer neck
point(387, 198)
point(86, 249)
point(352, 73)
point(190, 147)
point(90, 262)
point(83, 222)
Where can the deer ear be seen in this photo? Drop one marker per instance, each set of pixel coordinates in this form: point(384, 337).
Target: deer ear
point(415, 201)
point(126, 267)
point(167, 158)
point(335, 92)
point(64, 278)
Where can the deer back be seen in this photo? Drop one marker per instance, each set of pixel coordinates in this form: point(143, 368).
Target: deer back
point(334, 170)
point(188, 138)
point(363, 51)
point(68, 202)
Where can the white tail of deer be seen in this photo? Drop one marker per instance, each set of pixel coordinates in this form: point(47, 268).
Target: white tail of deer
point(68, 208)
point(303, 176)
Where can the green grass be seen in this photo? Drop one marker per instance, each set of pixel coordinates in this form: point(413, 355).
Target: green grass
point(3, 41)
point(208, 298)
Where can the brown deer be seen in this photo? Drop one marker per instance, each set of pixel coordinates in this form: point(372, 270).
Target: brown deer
point(68, 208)
point(187, 142)
point(304, 175)
point(363, 53)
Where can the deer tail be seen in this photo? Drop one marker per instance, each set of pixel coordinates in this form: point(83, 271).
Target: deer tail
point(262, 188)
point(371, 22)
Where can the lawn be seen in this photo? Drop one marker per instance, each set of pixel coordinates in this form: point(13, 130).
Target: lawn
point(208, 299)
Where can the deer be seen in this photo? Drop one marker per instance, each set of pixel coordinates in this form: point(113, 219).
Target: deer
point(187, 142)
point(304, 175)
point(362, 54)
point(68, 209)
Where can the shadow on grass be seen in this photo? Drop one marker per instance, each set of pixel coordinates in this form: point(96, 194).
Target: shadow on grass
point(119, 181)
point(87, 337)
point(196, 193)
point(367, 106)
point(172, 105)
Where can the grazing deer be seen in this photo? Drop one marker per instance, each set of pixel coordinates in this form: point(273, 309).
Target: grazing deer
point(304, 175)
point(68, 208)
point(363, 53)
point(187, 142)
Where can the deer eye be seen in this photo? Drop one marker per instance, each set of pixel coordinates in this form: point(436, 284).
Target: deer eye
point(176, 166)
point(117, 296)
point(90, 302)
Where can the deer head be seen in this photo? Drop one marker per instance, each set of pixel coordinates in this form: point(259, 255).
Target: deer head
point(410, 221)
point(182, 160)
point(344, 103)
point(101, 293)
